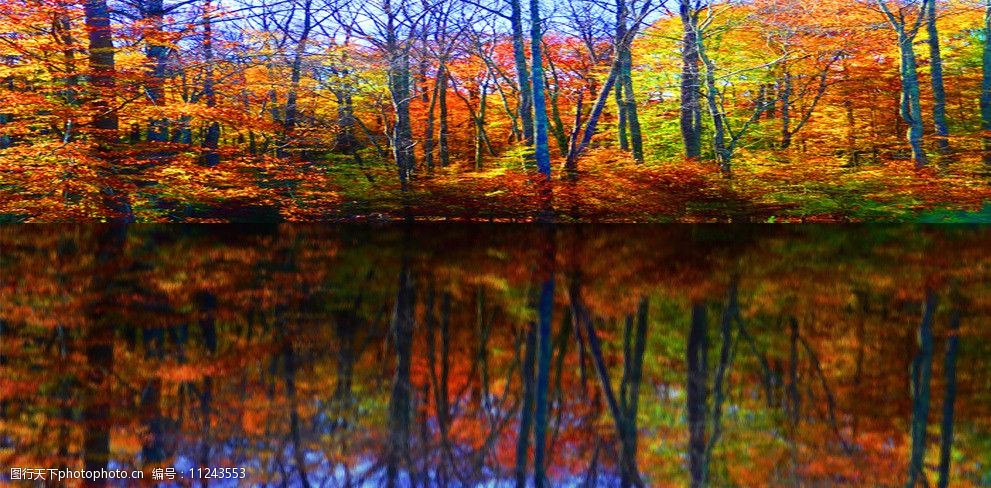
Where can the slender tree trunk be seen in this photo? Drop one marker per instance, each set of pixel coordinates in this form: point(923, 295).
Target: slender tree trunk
point(5, 140)
point(428, 132)
point(540, 122)
point(296, 75)
point(397, 54)
point(445, 131)
point(102, 78)
point(623, 116)
point(910, 103)
point(212, 138)
point(525, 107)
point(691, 86)
point(591, 125)
point(481, 139)
point(557, 127)
point(156, 52)
point(942, 132)
point(787, 89)
point(721, 146)
point(630, 102)
point(986, 86)
point(102, 70)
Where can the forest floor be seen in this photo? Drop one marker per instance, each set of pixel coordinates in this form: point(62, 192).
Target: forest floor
point(763, 188)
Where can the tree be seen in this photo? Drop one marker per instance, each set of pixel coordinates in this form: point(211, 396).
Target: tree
point(103, 82)
point(906, 28)
point(691, 84)
point(985, 98)
point(541, 143)
point(942, 132)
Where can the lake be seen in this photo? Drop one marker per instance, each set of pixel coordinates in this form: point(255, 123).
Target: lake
point(498, 355)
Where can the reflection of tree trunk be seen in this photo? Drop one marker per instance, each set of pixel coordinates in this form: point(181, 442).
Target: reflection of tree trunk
point(101, 316)
point(561, 346)
point(526, 412)
point(402, 389)
point(96, 409)
point(794, 400)
point(830, 399)
point(949, 399)
point(440, 382)
point(299, 453)
point(544, 349)
point(697, 392)
point(153, 450)
point(207, 303)
point(634, 345)
point(623, 410)
point(921, 375)
point(730, 312)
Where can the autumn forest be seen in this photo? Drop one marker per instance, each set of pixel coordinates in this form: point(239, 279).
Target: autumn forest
point(495, 243)
point(495, 110)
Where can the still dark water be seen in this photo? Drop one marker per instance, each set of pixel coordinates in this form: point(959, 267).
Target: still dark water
point(498, 355)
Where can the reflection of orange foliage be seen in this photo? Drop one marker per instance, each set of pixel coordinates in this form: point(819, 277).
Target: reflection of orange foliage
point(301, 320)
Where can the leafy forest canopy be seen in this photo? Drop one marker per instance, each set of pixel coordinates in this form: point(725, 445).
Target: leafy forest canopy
point(592, 110)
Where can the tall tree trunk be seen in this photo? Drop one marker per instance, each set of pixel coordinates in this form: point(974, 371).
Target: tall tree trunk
point(445, 130)
point(557, 126)
point(630, 103)
point(787, 89)
point(540, 121)
point(212, 138)
point(720, 145)
point(910, 104)
point(622, 11)
point(102, 78)
point(591, 125)
point(102, 70)
point(986, 86)
point(525, 107)
point(938, 88)
point(428, 131)
point(156, 52)
point(481, 139)
point(691, 86)
point(296, 75)
point(399, 89)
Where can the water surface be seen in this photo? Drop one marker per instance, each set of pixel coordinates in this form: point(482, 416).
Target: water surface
point(492, 355)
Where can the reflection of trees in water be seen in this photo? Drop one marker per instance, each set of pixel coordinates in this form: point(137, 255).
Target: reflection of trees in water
point(452, 356)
